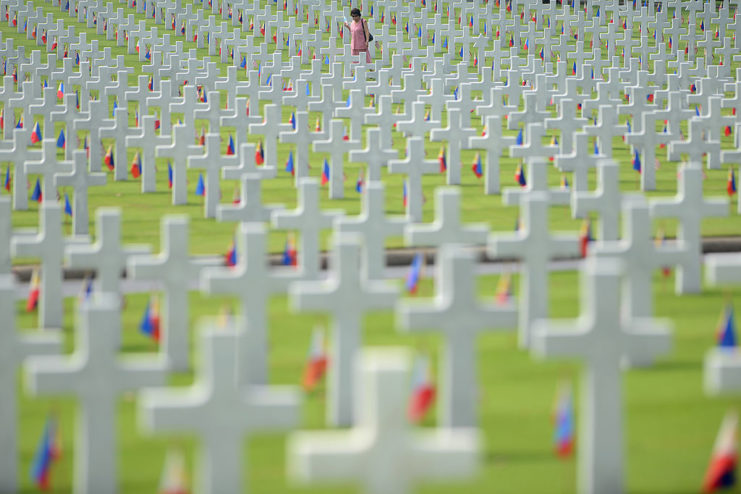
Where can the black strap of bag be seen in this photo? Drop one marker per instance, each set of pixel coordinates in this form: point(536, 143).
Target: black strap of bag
point(368, 38)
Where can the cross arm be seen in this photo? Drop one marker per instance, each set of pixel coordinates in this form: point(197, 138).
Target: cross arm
point(274, 408)
point(25, 242)
point(564, 245)
point(52, 375)
point(327, 456)
point(506, 245)
point(141, 372)
point(146, 267)
point(446, 453)
point(723, 268)
point(722, 372)
point(646, 338)
point(39, 344)
point(313, 295)
point(561, 339)
point(173, 410)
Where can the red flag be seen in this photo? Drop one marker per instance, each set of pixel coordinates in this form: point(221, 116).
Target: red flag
point(423, 390)
point(722, 469)
point(316, 364)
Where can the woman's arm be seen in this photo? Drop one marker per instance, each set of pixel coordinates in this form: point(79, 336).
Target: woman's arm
point(365, 29)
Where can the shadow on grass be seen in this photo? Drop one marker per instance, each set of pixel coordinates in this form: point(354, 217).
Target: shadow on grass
point(537, 456)
point(677, 365)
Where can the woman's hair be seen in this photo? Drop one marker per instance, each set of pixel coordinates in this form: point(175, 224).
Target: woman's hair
point(354, 12)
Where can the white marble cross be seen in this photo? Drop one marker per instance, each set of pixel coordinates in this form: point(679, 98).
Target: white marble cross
point(19, 154)
point(80, 180)
point(534, 245)
point(374, 154)
point(14, 349)
point(447, 227)
point(48, 167)
point(494, 143)
point(722, 371)
point(456, 133)
point(221, 410)
point(537, 181)
point(309, 219)
point(605, 200)
point(6, 231)
point(250, 207)
point(301, 136)
point(47, 245)
point(98, 377)
point(174, 270)
point(148, 140)
point(641, 257)
point(347, 295)
point(106, 256)
point(689, 207)
point(253, 283)
point(374, 226)
point(603, 336)
point(460, 316)
point(414, 166)
point(180, 150)
point(212, 161)
point(380, 452)
point(336, 147)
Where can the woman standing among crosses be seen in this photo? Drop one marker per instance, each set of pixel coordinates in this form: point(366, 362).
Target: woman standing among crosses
point(359, 34)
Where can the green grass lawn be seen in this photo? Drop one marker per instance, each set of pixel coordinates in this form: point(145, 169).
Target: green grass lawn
point(142, 212)
point(670, 423)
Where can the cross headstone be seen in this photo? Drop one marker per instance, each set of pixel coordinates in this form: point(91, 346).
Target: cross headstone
point(309, 219)
point(120, 131)
point(534, 245)
point(605, 200)
point(98, 377)
point(604, 336)
point(374, 226)
point(641, 257)
point(148, 140)
point(374, 154)
point(48, 167)
point(414, 166)
point(250, 207)
point(301, 136)
point(174, 270)
point(106, 256)
point(253, 283)
point(212, 161)
point(722, 372)
point(14, 349)
point(456, 134)
point(347, 295)
point(690, 208)
point(336, 146)
point(447, 227)
point(221, 410)
point(537, 181)
point(80, 180)
point(459, 315)
point(19, 154)
point(47, 245)
point(494, 143)
point(6, 230)
point(179, 151)
point(380, 452)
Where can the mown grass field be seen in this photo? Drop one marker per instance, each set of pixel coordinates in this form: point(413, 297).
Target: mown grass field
point(142, 212)
point(670, 424)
